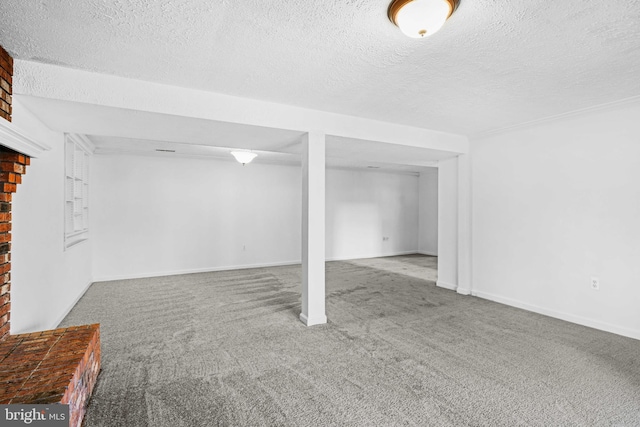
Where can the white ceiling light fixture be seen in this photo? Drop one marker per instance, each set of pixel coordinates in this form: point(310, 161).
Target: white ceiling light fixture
point(420, 18)
point(244, 156)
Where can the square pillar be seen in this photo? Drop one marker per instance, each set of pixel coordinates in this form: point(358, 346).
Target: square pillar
point(313, 239)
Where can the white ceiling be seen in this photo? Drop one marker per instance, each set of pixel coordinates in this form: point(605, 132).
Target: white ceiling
point(493, 65)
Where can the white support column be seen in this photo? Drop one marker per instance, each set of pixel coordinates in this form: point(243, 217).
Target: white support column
point(464, 225)
point(448, 224)
point(313, 238)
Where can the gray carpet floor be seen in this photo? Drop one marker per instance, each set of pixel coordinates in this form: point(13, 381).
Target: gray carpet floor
point(227, 349)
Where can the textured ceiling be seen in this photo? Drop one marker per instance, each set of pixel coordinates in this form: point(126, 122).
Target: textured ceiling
point(494, 64)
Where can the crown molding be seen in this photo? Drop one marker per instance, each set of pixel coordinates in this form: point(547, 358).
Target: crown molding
point(13, 138)
point(557, 117)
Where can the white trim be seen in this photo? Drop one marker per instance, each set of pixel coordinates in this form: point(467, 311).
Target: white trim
point(73, 240)
point(312, 321)
point(12, 138)
point(446, 285)
point(463, 291)
point(109, 278)
point(568, 114)
point(80, 143)
point(192, 271)
point(584, 321)
point(390, 254)
point(427, 253)
point(56, 324)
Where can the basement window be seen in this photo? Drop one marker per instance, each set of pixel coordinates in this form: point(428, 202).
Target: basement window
point(76, 188)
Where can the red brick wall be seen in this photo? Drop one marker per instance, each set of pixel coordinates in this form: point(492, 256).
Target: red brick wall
point(6, 82)
point(12, 167)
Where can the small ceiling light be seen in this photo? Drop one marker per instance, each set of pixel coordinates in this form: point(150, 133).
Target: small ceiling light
point(420, 18)
point(243, 156)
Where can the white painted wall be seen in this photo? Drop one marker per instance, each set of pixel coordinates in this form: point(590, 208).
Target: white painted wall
point(363, 207)
point(448, 223)
point(554, 205)
point(167, 215)
point(428, 212)
point(157, 215)
point(46, 279)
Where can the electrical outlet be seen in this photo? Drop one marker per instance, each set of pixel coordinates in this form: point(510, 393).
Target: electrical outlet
point(595, 283)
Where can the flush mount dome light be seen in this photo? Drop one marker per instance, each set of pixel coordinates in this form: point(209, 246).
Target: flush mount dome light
point(420, 18)
point(243, 156)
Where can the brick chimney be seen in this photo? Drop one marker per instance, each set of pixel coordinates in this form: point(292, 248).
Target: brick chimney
point(6, 81)
point(12, 167)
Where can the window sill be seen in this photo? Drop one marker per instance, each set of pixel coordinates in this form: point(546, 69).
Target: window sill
point(73, 240)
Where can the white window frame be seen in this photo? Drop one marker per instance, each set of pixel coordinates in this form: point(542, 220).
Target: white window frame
point(77, 155)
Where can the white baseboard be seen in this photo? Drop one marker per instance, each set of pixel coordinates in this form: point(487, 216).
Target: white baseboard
point(110, 278)
point(349, 258)
point(312, 321)
point(584, 321)
point(427, 253)
point(446, 285)
point(70, 307)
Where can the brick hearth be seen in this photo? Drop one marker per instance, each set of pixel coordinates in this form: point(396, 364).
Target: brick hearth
point(57, 366)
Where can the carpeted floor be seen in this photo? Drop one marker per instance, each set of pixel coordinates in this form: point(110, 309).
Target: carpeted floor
point(227, 349)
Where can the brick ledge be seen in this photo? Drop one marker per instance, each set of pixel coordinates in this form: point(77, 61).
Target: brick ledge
point(56, 366)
